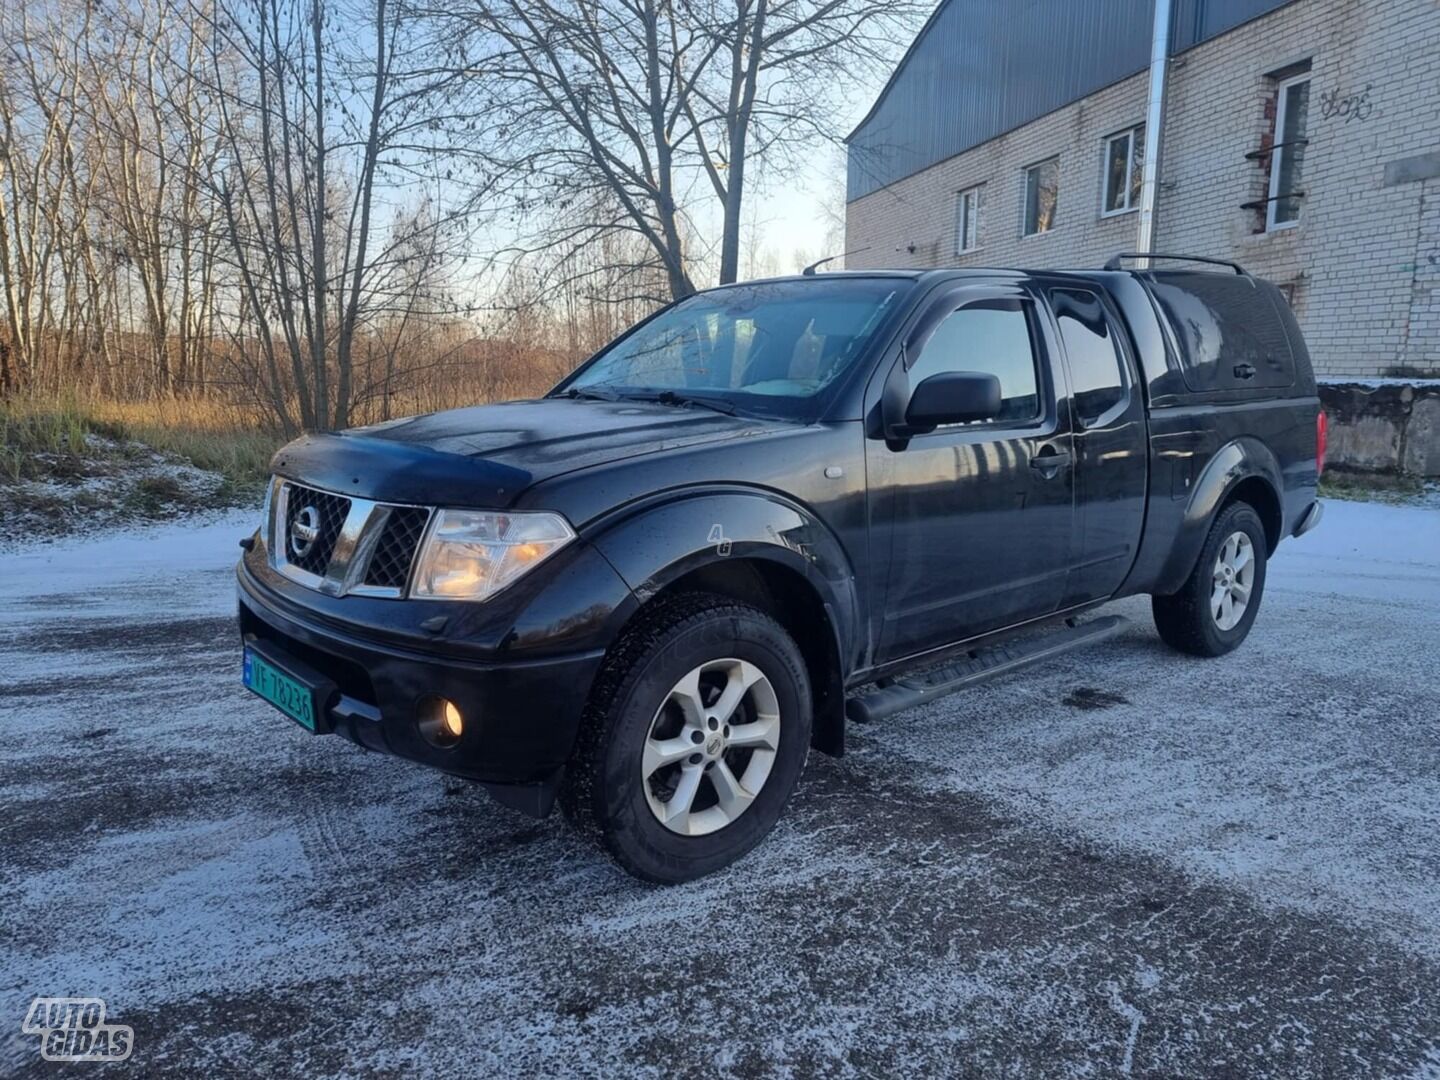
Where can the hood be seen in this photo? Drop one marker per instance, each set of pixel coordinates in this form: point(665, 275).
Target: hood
point(486, 455)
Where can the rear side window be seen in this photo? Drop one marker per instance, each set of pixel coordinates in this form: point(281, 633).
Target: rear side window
point(1096, 365)
point(1229, 331)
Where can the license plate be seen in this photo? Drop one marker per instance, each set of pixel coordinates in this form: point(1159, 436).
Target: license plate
point(284, 691)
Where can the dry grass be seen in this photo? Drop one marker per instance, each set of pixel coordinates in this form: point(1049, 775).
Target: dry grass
point(46, 438)
point(71, 464)
point(1398, 488)
point(209, 435)
point(108, 458)
point(83, 460)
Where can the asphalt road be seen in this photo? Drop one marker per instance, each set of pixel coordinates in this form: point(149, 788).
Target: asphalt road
point(1126, 863)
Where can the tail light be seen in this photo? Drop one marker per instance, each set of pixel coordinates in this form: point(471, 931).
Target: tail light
point(1322, 438)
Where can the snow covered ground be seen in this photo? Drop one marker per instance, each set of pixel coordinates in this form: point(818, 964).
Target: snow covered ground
point(1343, 380)
point(104, 484)
point(1127, 862)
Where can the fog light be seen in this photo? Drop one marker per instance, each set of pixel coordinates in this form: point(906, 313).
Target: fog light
point(439, 720)
point(453, 723)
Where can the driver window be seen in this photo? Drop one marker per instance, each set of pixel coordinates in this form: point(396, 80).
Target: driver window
point(992, 336)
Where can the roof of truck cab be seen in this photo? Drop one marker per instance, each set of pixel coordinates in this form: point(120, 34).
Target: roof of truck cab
point(1095, 274)
point(883, 272)
point(934, 274)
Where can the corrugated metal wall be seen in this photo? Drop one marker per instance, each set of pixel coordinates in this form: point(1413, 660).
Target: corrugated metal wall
point(983, 67)
point(1194, 21)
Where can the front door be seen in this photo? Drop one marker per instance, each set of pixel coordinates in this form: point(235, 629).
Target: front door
point(978, 516)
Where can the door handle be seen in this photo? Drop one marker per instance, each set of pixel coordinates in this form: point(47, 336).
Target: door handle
point(1048, 461)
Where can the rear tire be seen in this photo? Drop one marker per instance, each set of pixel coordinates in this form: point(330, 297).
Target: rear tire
point(1213, 611)
point(694, 736)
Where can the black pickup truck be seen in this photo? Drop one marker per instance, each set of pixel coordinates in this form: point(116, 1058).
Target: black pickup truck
point(773, 508)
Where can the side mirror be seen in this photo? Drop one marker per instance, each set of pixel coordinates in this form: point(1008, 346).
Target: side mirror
point(952, 397)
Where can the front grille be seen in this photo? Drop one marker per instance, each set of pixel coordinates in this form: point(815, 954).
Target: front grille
point(390, 564)
point(320, 510)
point(375, 561)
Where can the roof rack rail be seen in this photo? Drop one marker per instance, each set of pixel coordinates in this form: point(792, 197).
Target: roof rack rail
point(1114, 261)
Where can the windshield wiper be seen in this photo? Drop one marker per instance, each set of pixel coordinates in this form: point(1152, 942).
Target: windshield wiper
point(589, 393)
point(670, 397)
point(663, 397)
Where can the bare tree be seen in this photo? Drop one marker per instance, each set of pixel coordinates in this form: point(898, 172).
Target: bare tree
point(578, 108)
point(191, 196)
point(654, 108)
point(776, 95)
point(36, 130)
point(318, 87)
point(278, 201)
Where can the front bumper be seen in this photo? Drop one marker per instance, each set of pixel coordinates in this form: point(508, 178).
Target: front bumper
point(521, 716)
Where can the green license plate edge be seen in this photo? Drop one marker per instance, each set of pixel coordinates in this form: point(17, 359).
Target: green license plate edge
point(290, 696)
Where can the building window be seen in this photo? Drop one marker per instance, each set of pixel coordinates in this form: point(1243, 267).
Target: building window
point(967, 220)
point(1042, 188)
point(1124, 171)
point(1287, 158)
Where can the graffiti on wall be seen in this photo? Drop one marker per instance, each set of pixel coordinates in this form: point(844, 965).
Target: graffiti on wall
point(1352, 106)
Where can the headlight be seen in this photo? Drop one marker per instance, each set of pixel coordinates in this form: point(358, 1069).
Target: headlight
point(473, 554)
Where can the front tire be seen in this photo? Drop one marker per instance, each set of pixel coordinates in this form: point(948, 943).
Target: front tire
point(1213, 611)
point(695, 734)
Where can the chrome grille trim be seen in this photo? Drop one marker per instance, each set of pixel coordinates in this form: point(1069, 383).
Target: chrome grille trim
point(359, 534)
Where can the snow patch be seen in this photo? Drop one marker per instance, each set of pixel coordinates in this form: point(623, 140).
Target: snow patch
point(1346, 380)
point(113, 482)
point(153, 571)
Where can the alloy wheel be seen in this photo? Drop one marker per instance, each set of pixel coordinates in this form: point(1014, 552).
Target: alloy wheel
point(1233, 579)
point(711, 746)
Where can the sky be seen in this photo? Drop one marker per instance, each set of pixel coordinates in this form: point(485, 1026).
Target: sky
point(792, 216)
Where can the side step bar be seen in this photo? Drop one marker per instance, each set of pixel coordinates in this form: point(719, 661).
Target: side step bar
point(980, 666)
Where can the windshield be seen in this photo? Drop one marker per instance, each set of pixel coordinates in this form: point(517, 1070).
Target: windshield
point(768, 346)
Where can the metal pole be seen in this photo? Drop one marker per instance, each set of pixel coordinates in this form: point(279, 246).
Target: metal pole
point(1154, 116)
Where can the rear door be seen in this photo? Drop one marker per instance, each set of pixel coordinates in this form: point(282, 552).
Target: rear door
point(1110, 440)
point(978, 516)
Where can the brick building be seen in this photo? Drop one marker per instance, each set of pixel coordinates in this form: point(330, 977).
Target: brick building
point(1300, 138)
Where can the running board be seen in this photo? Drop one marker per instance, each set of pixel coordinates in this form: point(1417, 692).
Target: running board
point(981, 665)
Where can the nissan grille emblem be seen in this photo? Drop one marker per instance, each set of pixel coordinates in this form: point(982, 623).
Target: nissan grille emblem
point(304, 530)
